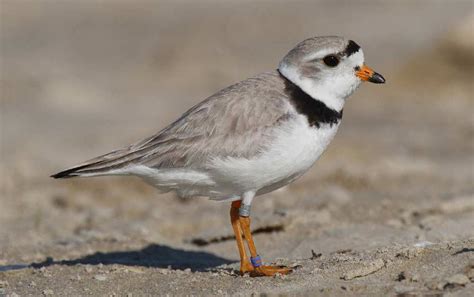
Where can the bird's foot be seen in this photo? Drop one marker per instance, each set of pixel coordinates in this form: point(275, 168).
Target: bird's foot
point(246, 267)
point(265, 270)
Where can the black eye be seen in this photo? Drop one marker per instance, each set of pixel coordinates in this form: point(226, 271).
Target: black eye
point(331, 60)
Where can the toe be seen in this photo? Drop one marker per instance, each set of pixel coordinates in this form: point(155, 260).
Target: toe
point(270, 270)
point(246, 268)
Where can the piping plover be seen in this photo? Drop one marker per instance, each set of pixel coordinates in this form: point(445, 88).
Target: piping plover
point(250, 138)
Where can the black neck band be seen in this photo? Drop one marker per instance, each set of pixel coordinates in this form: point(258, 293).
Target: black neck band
point(315, 111)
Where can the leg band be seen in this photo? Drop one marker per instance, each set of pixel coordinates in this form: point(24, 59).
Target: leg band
point(256, 262)
point(244, 210)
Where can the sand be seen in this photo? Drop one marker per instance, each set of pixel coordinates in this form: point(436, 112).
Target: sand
point(387, 211)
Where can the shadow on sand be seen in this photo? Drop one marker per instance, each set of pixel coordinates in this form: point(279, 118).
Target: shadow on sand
point(154, 255)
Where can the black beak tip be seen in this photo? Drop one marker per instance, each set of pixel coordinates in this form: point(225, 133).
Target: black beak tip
point(377, 78)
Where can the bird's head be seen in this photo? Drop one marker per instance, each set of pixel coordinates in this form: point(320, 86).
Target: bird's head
point(328, 68)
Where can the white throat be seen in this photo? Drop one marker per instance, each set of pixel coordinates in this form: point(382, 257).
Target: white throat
point(312, 88)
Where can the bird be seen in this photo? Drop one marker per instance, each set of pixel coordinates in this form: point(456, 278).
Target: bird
point(250, 138)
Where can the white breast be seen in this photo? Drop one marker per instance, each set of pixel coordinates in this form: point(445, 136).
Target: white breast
point(295, 149)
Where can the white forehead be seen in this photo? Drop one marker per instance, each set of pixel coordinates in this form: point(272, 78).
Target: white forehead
point(356, 58)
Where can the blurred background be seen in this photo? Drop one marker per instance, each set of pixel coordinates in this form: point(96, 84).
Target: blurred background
point(81, 78)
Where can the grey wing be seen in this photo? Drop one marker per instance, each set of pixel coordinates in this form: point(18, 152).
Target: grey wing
point(235, 122)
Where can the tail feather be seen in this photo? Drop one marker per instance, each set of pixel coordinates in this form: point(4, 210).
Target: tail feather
point(97, 166)
point(68, 173)
point(109, 163)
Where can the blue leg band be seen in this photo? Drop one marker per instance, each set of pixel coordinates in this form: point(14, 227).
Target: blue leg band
point(244, 210)
point(256, 262)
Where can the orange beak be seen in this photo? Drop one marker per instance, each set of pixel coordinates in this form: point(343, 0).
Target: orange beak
point(365, 73)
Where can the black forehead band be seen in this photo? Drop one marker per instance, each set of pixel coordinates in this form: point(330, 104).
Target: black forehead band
point(351, 48)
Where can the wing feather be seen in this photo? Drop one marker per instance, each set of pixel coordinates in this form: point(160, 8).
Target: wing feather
point(235, 122)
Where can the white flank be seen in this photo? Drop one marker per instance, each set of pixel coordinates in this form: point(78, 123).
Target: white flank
point(295, 149)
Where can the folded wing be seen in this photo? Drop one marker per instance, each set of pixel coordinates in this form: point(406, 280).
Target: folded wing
point(236, 122)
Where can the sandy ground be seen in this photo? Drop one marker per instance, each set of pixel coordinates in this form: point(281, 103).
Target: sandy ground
point(387, 211)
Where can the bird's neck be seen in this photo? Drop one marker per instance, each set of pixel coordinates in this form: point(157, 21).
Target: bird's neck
point(316, 111)
point(311, 88)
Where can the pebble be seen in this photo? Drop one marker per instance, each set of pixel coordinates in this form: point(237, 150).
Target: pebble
point(100, 277)
point(48, 292)
point(44, 272)
point(88, 269)
point(366, 269)
point(433, 285)
point(452, 281)
point(458, 279)
point(406, 275)
point(401, 276)
point(3, 284)
point(77, 277)
point(404, 290)
point(440, 285)
point(13, 294)
point(164, 271)
point(136, 270)
point(410, 253)
point(414, 278)
point(224, 272)
point(470, 274)
point(315, 255)
point(280, 276)
point(295, 265)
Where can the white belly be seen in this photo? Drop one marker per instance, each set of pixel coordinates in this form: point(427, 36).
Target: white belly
point(295, 149)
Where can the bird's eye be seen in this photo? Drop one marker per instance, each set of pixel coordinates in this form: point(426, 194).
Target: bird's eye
point(331, 60)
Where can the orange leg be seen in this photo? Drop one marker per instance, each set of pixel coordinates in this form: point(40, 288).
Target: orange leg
point(245, 265)
point(260, 270)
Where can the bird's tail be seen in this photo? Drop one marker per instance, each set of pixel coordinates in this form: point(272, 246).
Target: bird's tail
point(108, 164)
point(71, 172)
